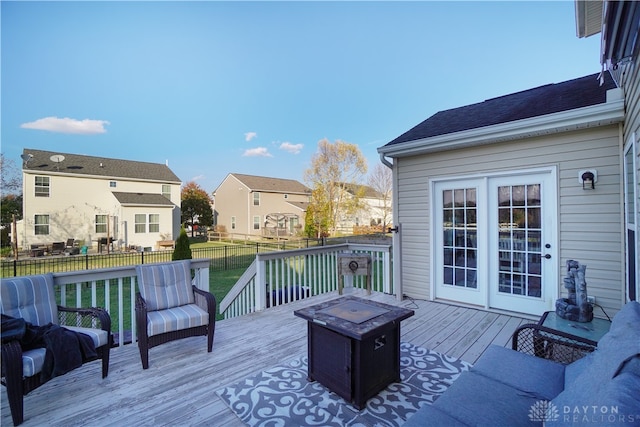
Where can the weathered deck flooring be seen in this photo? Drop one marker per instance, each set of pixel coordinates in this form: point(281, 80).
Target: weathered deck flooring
point(179, 388)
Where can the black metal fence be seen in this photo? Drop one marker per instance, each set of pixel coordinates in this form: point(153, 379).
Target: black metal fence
point(226, 257)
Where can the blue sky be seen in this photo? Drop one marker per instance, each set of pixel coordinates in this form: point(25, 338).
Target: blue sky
point(251, 87)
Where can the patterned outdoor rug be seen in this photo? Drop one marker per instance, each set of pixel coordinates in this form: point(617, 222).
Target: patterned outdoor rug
point(282, 396)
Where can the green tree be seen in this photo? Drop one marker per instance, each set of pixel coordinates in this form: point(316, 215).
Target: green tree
point(11, 206)
point(336, 169)
point(183, 248)
point(196, 208)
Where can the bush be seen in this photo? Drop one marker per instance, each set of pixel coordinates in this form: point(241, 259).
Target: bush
point(183, 249)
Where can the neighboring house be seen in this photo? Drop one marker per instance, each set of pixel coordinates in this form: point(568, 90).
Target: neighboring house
point(70, 196)
point(375, 209)
point(491, 199)
point(261, 206)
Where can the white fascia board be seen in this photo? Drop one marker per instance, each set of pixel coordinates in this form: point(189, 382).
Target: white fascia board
point(579, 118)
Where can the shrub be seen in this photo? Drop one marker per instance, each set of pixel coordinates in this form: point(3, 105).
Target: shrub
point(182, 250)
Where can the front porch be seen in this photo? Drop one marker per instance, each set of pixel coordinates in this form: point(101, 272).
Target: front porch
point(179, 388)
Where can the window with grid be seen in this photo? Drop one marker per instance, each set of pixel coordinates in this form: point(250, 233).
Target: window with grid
point(42, 186)
point(460, 233)
point(256, 223)
point(256, 198)
point(41, 224)
point(101, 223)
point(233, 222)
point(154, 223)
point(166, 191)
point(140, 223)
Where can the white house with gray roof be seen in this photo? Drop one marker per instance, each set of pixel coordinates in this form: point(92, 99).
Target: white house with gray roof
point(87, 198)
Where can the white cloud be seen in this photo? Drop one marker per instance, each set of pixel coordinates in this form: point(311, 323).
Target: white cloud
point(291, 148)
point(67, 125)
point(257, 152)
point(249, 136)
point(198, 178)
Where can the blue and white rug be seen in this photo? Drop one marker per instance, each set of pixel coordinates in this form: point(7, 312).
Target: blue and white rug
point(282, 396)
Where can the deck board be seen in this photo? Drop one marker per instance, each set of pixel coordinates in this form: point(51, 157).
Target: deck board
point(179, 388)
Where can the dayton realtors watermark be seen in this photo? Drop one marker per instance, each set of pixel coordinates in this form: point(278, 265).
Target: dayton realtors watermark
point(547, 412)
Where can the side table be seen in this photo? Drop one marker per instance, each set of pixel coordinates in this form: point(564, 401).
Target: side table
point(561, 339)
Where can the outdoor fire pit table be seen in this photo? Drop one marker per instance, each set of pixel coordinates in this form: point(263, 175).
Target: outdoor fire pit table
point(354, 346)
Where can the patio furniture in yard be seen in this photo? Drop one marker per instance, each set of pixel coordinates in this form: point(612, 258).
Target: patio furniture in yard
point(29, 302)
point(170, 307)
point(57, 248)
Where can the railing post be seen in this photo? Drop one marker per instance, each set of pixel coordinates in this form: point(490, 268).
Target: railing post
point(260, 283)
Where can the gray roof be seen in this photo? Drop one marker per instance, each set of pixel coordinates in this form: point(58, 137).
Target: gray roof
point(141, 199)
point(552, 98)
point(272, 185)
point(98, 166)
point(300, 205)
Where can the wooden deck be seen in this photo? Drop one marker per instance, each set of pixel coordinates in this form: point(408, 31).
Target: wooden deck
point(179, 388)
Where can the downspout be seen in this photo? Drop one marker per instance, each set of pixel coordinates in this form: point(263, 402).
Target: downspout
point(396, 242)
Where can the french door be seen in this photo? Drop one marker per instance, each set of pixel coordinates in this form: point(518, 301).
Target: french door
point(494, 241)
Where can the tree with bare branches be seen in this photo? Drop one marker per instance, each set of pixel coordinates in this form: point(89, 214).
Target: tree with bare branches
point(381, 180)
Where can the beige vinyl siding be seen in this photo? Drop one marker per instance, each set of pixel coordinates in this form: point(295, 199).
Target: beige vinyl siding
point(589, 221)
point(630, 82)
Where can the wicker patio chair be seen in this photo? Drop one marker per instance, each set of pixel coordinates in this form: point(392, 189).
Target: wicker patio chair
point(32, 298)
point(550, 344)
point(170, 307)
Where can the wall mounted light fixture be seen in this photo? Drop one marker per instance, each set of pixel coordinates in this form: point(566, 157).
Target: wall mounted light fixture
point(588, 178)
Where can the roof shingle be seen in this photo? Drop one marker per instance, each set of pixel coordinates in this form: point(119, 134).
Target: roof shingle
point(540, 101)
point(98, 166)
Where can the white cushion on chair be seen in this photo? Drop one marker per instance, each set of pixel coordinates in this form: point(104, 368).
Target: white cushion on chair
point(165, 285)
point(31, 298)
point(176, 318)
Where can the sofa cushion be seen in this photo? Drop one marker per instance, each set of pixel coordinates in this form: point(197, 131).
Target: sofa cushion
point(430, 415)
point(617, 402)
point(539, 377)
point(176, 318)
point(474, 399)
point(165, 285)
point(29, 297)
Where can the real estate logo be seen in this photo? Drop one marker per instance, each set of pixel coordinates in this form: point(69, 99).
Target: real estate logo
point(543, 410)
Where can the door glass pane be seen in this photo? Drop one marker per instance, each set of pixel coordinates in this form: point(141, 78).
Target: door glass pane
point(519, 240)
point(459, 230)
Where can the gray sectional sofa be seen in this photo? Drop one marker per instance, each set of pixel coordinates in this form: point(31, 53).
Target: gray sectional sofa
point(509, 388)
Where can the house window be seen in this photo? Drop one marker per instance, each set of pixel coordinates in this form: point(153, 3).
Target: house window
point(140, 223)
point(286, 196)
point(256, 199)
point(42, 186)
point(41, 225)
point(154, 223)
point(166, 191)
point(233, 222)
point(256, 222)
point(112, 184)
point(101, 223)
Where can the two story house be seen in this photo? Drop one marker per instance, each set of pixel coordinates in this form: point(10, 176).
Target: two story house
point(373, 210)
point(492, 199)
point(90, 199)
point(261, 206)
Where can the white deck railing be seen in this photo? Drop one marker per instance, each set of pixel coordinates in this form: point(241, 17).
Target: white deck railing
point(113, 289)
point(279, 277)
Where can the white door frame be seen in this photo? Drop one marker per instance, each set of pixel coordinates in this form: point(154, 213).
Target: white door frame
point(550, 289)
